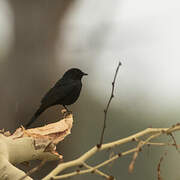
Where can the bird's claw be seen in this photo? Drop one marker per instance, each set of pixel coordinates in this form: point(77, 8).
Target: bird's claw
point(66, 112)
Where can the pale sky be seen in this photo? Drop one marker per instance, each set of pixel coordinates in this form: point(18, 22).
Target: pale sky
point(144, 35)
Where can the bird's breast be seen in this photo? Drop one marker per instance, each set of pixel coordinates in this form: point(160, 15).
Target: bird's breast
point(73, 95)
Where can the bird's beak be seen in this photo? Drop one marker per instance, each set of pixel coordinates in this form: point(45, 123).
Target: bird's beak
point(85, 74)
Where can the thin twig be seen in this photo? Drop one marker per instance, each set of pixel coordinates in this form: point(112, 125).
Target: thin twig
point(97, 171)
point(159, 167)
point(174, 140)
point(107, 107)
point(159, 144)
point(34, 169)
point(139, 148)
point(131, 165)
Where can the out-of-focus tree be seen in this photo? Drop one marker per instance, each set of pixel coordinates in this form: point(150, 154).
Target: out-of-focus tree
point(32, 61)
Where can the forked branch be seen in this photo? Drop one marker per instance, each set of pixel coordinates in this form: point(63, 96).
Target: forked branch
point(149, 134)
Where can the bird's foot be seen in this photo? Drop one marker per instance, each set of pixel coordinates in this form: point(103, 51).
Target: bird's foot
point(66, 112)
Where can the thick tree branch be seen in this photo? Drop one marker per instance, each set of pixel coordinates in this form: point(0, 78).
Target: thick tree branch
point(25, 145)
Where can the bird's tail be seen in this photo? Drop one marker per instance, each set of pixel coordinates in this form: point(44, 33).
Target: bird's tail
point(35, 116)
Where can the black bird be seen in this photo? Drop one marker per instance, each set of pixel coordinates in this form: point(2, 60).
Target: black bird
point(65, 92)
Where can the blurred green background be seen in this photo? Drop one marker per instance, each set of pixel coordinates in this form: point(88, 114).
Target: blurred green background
point(41, 39)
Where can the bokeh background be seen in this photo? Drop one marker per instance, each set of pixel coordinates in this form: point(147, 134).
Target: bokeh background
point(41, 39)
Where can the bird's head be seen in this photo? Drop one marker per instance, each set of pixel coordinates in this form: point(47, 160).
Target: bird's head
point(74, 73)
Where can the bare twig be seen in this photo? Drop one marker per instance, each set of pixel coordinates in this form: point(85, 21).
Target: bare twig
point(139, 148)
point(174, 140)
point(131, 165)
point(107, 107)
point(97, 171)
point(159, 167)
point(161, 144)
point(34, 169)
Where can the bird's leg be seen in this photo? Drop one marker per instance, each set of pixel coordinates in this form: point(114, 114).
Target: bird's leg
point(66, 108)
point(67, 111)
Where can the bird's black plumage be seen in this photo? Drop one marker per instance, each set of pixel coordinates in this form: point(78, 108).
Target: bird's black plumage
point(65, 92)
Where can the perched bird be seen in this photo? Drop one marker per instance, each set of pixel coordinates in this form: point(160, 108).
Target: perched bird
point(65, 92)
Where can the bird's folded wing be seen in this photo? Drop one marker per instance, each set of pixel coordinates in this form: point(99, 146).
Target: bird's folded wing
point(59, 92)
